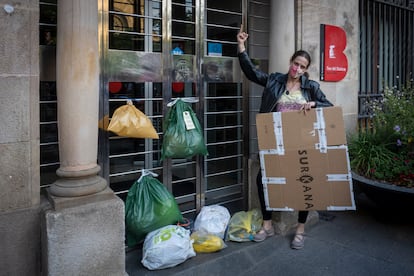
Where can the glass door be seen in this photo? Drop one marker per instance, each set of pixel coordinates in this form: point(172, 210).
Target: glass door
point(49, 143)
point(131, 58)
point(184, 174)
point(224, 115)
point(153, 52)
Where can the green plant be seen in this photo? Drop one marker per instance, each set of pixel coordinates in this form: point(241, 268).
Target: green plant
point(385, 150)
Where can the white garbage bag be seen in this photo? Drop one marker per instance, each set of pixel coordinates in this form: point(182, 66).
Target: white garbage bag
point(167, 247)
point(213, 219)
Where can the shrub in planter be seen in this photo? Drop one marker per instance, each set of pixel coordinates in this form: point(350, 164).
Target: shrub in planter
point(385, 150)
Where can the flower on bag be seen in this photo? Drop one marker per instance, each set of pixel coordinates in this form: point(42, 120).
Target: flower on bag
point(385, 150)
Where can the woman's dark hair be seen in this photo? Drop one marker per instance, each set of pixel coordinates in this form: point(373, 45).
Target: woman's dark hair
point(302, 53)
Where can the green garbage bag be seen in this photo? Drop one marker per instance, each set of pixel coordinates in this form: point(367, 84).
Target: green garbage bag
point(183, 136)
point(149, 206)
point(244, 225)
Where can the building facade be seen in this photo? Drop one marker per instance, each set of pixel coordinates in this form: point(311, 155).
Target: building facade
point(67, 65)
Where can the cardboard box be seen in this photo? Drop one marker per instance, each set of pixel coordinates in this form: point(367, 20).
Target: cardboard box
point(304, 160)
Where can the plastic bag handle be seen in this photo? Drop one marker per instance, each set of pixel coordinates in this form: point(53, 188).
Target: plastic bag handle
point(145, 173)
point(186, 99)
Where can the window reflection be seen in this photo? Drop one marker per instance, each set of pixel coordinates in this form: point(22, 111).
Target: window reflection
point(150, 104)
point(223, 22)
point(47, 23)
point(47, 36)
point(235, 6)
point(132, 26)
point(48, 12)
point(183, 69)
point(183, 26)
point(183, 11)
point(218, 70)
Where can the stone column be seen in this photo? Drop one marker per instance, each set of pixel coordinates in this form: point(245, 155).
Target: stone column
point(83, 227)
point(77, 79)
point(281, 34)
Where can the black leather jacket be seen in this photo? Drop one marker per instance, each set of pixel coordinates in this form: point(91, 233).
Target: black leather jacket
point(275, 84)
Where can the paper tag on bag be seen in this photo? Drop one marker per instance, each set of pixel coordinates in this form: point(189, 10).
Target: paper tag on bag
point(189, 124)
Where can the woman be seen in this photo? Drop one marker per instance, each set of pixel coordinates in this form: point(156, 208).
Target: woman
point(282, 92)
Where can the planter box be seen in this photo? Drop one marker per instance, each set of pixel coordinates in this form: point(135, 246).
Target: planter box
point(385, 195)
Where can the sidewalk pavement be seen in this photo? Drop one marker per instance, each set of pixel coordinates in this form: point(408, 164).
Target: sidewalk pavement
point(363, 242)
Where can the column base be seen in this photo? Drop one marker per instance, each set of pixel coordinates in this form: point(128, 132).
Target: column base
point(78, 183)
point(85, 237)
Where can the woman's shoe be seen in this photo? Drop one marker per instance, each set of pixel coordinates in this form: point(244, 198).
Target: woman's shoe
point(264, 234)
point(298, 241)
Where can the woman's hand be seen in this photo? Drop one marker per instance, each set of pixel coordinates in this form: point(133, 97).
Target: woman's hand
point(307, 106)
point(241, 39)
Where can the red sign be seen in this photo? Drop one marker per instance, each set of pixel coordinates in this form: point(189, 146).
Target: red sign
point(334, 64)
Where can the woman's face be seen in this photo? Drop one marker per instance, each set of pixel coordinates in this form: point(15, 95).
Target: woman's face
point(298, 66)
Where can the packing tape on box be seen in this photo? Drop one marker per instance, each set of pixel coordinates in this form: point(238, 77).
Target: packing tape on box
point(277, 122)
point(267, 203)
point(338, 177)
point(268, 208)
point(341, 208)
point(267, 180)
point(274, 180)
point(319, 126)
point(341, 177)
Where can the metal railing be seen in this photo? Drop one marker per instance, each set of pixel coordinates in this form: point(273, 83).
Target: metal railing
point(386, 49)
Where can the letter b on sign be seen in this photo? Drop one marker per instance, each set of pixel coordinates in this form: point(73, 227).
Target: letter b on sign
point(334, 64)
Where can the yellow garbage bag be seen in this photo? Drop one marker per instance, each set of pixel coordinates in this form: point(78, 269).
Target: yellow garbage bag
point(128, 121)
point(204, 242)
point(244, 225)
